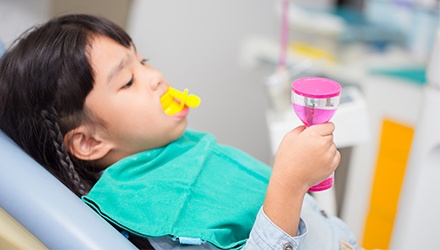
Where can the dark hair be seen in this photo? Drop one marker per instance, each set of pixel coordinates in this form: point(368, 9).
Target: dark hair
point(45, 77)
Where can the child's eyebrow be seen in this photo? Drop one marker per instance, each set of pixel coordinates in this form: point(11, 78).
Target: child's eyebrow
point(114, 71)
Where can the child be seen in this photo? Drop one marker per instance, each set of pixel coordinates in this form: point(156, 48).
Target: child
point(77, 96)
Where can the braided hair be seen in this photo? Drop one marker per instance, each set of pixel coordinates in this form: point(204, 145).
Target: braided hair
point(45, 77)
point(50, 120)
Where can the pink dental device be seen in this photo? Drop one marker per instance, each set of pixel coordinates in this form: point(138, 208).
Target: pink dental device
point(315, 100)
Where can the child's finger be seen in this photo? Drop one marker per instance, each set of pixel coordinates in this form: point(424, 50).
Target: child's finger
point(324, 129)
point(298, 130)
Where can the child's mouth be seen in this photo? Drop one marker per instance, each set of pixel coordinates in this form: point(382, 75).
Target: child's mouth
point(176, 103)
point(183, 113)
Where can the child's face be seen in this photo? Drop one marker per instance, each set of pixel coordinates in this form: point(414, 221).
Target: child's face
point(126, 96)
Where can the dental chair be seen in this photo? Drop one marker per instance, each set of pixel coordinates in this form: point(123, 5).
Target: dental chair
point(46, 208)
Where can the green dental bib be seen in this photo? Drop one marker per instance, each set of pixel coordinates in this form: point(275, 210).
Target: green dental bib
point(192, 188)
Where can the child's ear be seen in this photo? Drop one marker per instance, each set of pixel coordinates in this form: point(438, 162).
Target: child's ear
point(86, 145)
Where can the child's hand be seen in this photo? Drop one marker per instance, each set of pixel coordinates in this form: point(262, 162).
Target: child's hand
point(305, 157)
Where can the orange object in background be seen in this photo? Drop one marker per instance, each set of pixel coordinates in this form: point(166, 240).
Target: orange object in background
point(394, 150)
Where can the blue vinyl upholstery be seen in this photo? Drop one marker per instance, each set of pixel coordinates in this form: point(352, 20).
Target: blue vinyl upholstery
point(45, 207)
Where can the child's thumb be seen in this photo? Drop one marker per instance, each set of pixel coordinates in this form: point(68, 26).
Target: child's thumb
point(325, 129)
point(298, 130)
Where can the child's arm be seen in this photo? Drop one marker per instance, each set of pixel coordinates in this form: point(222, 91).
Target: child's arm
point(304, 158)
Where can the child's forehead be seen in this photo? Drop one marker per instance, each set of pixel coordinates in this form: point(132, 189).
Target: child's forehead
point(102, 40)
point(103, 48)
point(108, 57)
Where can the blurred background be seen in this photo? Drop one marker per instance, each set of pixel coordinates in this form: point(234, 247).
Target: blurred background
point(229, 53)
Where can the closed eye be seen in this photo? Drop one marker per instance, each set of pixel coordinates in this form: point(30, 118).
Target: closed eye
point(144, 61)
point(129, 83)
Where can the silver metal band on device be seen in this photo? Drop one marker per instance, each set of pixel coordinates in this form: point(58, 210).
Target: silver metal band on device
point(313, 102)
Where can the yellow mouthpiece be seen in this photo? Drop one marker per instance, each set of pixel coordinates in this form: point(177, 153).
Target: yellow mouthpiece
point(173, 101)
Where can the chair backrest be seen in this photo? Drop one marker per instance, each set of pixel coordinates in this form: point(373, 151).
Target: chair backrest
point(46, 208)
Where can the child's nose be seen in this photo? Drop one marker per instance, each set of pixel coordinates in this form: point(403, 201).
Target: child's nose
point(157, 79)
